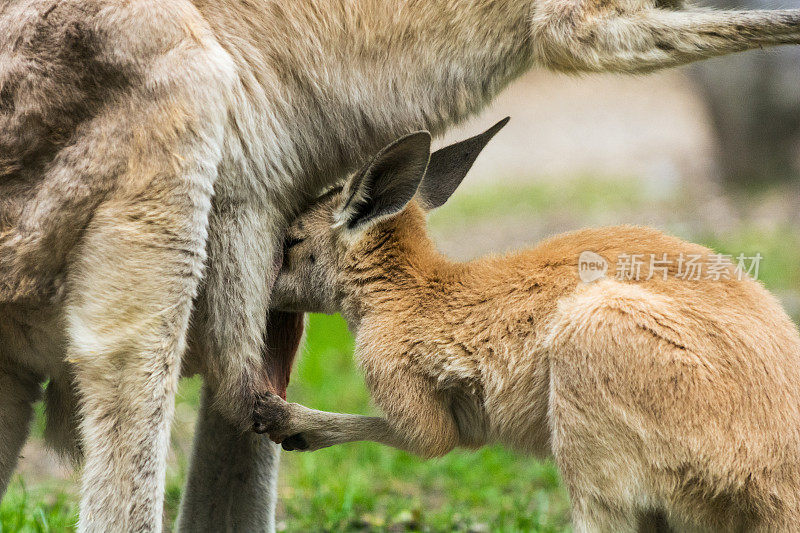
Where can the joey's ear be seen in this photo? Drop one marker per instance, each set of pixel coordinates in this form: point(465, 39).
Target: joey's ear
point(449, 165)
point(387, 183)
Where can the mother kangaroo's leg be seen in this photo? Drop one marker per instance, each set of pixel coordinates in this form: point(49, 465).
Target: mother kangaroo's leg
point(134, 275)
point(18, 391)
point(130, 295)
point(232, 479)
point(130, 101)
point(233, 473)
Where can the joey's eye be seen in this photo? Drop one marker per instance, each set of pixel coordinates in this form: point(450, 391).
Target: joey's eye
point(291, 242)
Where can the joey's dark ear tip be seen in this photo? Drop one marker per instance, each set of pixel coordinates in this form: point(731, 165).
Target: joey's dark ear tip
point(449, 165)
point(497, 127)
point(388, 182)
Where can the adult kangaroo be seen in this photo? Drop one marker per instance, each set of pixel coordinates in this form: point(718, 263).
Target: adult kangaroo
point(151, 154)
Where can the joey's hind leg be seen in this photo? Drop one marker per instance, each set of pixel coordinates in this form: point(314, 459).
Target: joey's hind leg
point(594, 516)
point(597, 486)
point(600, 481)
point(597, 463)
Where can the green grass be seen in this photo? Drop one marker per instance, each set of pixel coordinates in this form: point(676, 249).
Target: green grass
point(780, 247)
point(37, 510)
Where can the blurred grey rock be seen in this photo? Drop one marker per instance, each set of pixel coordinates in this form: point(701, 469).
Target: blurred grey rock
point(754, 104)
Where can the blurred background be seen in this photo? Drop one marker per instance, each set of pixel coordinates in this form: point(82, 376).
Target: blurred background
point(710, 153)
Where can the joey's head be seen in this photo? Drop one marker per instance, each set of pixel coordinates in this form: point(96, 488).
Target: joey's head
point(349, 224)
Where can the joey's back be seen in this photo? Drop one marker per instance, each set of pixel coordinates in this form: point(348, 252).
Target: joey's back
point(523, 293)
point(496, 329)
point(401, 275)
point(658, 375)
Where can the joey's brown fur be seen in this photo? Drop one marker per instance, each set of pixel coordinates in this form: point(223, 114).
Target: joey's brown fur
point(667, 396)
